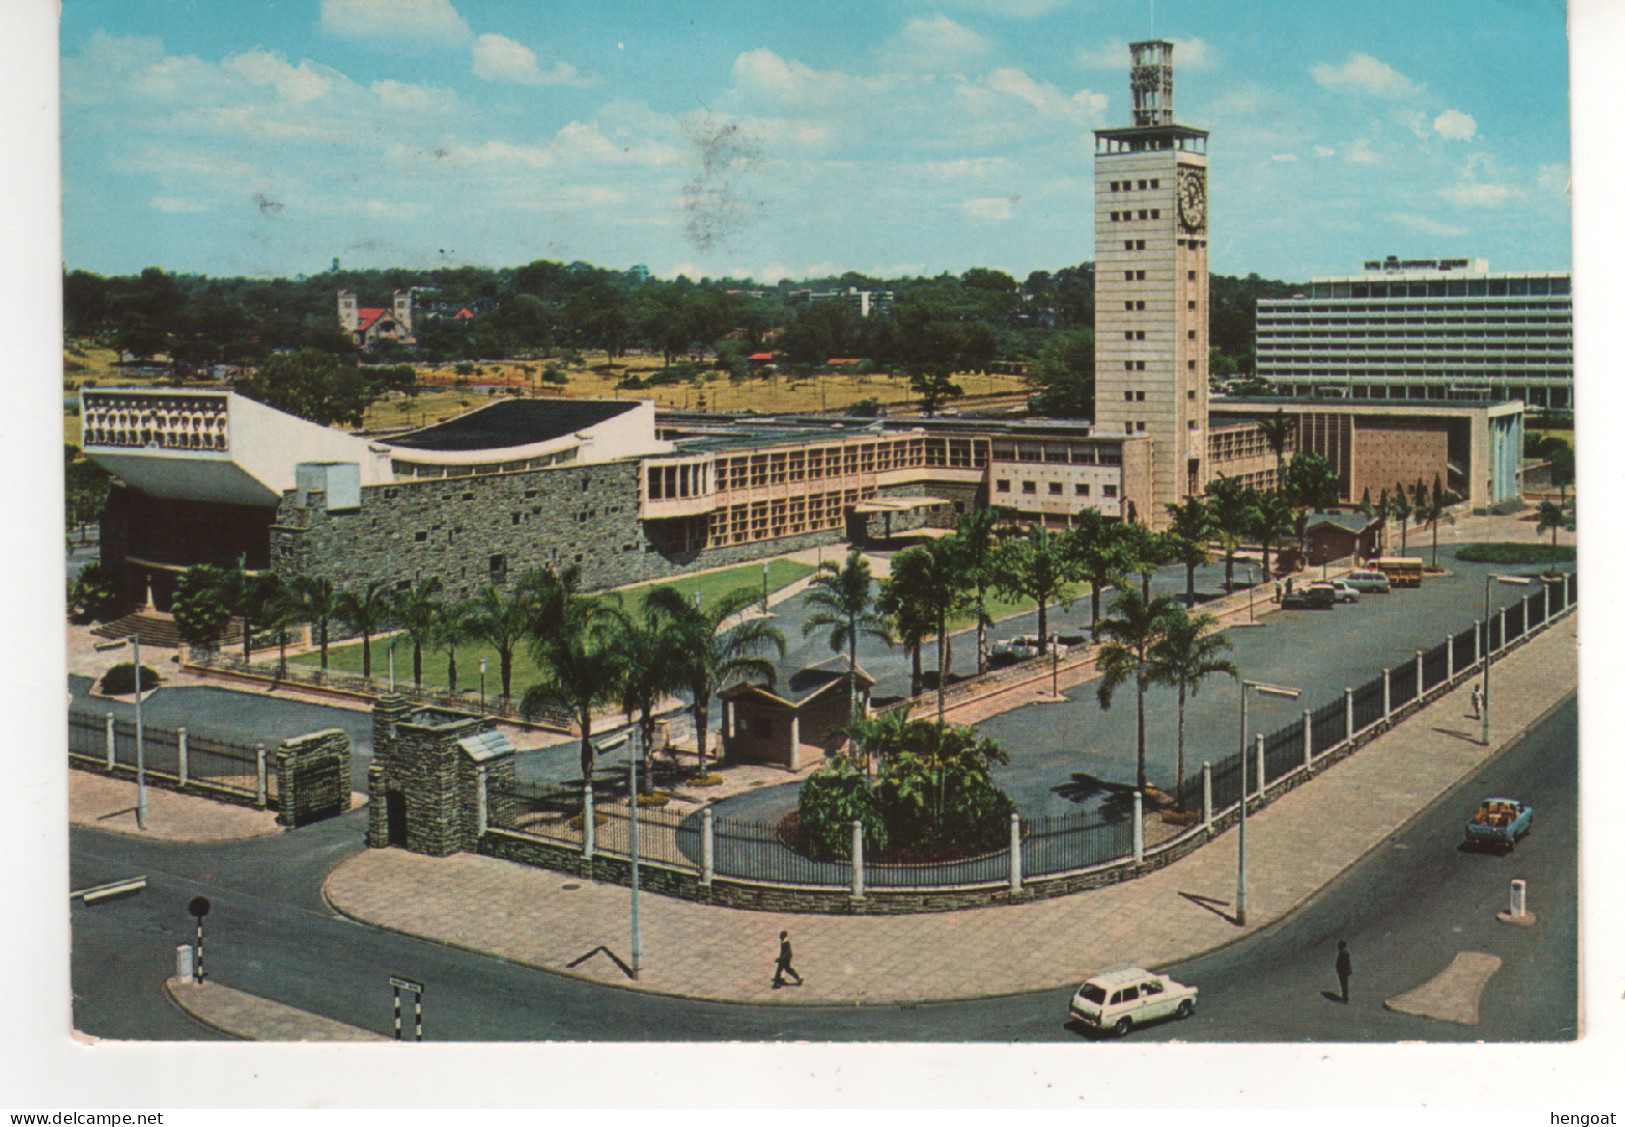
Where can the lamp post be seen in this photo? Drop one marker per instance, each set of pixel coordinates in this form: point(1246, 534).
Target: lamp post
point(632, 802)
point(1484, 716)
point(482, 686)
point(140, 751)
point(764, 586)
point(1241, 855)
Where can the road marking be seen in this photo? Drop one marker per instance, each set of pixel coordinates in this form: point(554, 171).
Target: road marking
point(1453, 993)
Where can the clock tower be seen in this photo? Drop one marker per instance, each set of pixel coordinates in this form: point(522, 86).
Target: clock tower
point(1151, 285)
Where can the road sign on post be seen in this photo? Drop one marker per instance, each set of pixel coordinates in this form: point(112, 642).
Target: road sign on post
point(398, 983)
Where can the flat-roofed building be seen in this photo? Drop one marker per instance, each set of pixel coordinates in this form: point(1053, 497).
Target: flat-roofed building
point(1432, 330)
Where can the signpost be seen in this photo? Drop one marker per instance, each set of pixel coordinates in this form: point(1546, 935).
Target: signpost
point(199, 907)
point(399, 983)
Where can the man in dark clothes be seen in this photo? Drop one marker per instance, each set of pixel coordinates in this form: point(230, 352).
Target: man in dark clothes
point(1344, 968)
point(784, 967)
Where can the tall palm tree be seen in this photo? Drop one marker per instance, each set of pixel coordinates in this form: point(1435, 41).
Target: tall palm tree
point(1183, 658)
point(908, 622)
point(1232, 506)
point(974, 534)
point(452, 629)
point(581, 668)
point(1430, 508)
point(365, 611)
point(1096, 547)
point(1402, 511)
point(1138, 625)
point(1144, 552)
point(417, 612)
point(1277, 429)
point(285, 610)
point(1272, 522)
point(651, 654)
point(1377, 510)
point(1552, 516)
point(932, 576)
point(253, 596)
point(842, 600)
point(1190, 531)
point(720, 649)
point(320, 606)
point(1040, 567)
point(501, 622)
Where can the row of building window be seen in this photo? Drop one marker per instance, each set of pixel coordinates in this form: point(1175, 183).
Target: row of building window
point(1056, 488)
point(1128, 185)
point(1057, 454)
point(1143, 213)
point(1443, 287)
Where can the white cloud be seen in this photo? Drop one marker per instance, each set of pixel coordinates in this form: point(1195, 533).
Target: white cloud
point(937, 40)
point(177, 207)
point(499, 59)
point(1360, 153)
point(413, 26)
point(995, 208)
point(1325, 151)
point(1363, 73)
point(303, 83)
point(971, 168)
point(1480, 195)
point(1455, 126)
point(792, 84)
point(1284, 158)
point(1044, 97)
point(774, 274)
point(1429, 226)
point(407, 98)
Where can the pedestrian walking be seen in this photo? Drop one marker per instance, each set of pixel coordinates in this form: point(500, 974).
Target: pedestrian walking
point(1478, 701)
point(1345, 968)
point(784, 968)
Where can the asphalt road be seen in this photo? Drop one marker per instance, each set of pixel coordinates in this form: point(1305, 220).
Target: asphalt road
point(1405, 909)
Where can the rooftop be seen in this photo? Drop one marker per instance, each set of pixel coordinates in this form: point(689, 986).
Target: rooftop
point(508, 423)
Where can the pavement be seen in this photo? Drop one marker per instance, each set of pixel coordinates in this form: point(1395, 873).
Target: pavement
point(1296, 846)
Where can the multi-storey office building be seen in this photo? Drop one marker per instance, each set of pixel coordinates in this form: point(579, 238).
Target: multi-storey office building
point(1437, 330)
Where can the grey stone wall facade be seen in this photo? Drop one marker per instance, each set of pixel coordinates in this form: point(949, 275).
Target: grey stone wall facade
point(313, 777)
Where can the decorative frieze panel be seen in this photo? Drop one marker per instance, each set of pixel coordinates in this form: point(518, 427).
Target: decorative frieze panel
point(167, 422)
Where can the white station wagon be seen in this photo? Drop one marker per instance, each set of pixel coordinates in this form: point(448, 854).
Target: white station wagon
point(1120, 999)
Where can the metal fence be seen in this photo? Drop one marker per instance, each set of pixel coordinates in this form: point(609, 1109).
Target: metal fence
point(1063, 842)
point(1283, 751)
point(1327, 725)
point(211, 758)
point(1368, 704)
point(1435, 666)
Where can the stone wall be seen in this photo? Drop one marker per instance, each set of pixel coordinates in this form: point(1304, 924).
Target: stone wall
point(313, 777)
point(423, 788)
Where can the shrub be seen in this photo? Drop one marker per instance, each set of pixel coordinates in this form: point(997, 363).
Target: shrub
point(121, 679)
point(830, 802)
point(653, 798)
point(95, 595)
point(709, 779)
point(1513, 553)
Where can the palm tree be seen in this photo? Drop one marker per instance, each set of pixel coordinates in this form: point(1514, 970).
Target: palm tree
point(502, 622)
point(1183, 657)
point(286, 609)
point(842, 600)
point(452, 629)
point(1040, 567)
point(908, 622)
point(719, 651)
point(1126, 656)
point(1430, 508)
point(1553, 516)
point(1272, 521)
point(932, 576)
point(651, 653)
point(253, 595)
point(1096, 547)
point(1402, 511)
point(1189, 533)
point(582, 668)
point(320, 603)
point(366, 612)
point(1277, 429)
point(1144, 552)
point(1232, 506)
point(1378, 510)
point(976, 544)
point(417, 612)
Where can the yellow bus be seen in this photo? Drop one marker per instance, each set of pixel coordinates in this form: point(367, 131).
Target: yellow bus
point(1402, 571)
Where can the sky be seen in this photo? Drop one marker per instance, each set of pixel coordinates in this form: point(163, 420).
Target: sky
point(739, 138)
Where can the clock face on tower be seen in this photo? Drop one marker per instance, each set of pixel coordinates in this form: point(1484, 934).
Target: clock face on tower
point(1192, 200)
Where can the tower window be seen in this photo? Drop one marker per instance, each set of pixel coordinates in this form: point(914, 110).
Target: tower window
point(1128, 397)
point(1142, 185)
point(1055, 488)
point(1128, 335)
point(1002, 485)
point(1139, 397)
point(1144, 214)
point(1081, 489)
point(1139, 244)
point(1190, 305)
point(1140, 427)
point(1139, 365)
point(1191, 365)
point(1128, 275)
point(1156, 213)
point(1128, 365)
point(1190, 334)
point(1190, 275)
point(1128, 244)
point(1153, 185)
point(1114, 216)
point(1029, 487)
point(1139, 334)
point(1139, 275)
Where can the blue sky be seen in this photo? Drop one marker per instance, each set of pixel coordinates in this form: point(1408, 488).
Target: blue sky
point(764, 139)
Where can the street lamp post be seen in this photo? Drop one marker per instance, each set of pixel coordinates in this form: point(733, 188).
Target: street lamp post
point(632, 801)
point(764, 586)
point(140, 750)
point(482, 686)
point(1484, 713)
point(1241, 855)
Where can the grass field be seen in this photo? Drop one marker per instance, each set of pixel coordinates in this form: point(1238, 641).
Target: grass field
point(347, 657)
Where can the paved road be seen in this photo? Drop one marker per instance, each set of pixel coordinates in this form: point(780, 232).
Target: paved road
point(1400, 908)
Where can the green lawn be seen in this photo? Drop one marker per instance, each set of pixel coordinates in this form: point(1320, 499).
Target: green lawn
point(347, 657)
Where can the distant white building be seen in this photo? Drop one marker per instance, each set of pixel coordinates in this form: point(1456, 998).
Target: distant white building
point(367, 326)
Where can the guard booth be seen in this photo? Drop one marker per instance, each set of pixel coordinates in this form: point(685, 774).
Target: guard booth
point(795, 727)
point(434, 776)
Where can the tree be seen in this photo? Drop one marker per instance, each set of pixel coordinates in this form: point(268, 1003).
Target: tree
point(320, 606)
point(1138, 626)
point(577, 652)
point(1232, 506)
point(85, 491)
point(907, 621)
point(285, 610)
point(935, 386)
point(366, 611)
point(314, 385)
point(451, 629)
point(1560, 456)
point(253, 595)
point(1185, 655)
point(503, 622)
point(1380, 510)
point(1551, 516)
point(95, 594)
point(841, 598)
point(719, 650)
point(1037, 566)
point(1189, 533)
point(1277, 431)
point(974, 536)
point(1065, 372)
point(932, 577)
point(1311, 482)
point(201, 606)
point(1096, 547)
point(1401, 508)
point(649, 650)
point(1272, 522)
point(1144, 552)
point(1430, 507)
point(417, 612)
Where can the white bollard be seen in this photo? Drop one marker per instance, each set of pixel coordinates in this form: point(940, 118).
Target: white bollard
point(857, 859)
point(1387, 693)
point(180, 753)
point(1015, 852)
point(1348, 714)
point(1308, 737)
point(112, 743)
point(483, 821)
point(1520, 904)
point(183, 962)
point(1139, 828)
point(589, 819)
point(1263, 783)
point(708, 848)
point(259, 775)
point(1207, 795)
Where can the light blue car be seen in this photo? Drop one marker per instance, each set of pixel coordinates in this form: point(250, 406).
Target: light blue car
point(1499, 823)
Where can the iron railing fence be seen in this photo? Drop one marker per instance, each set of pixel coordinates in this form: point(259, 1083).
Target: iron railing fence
point(1283, 751)
point(1059, 843)
point(752, 850)
point(1435, 667)
point(1327, 724)
point(210, 756)
point(1368, 704)
point(1462, 650)
point(1402, 684)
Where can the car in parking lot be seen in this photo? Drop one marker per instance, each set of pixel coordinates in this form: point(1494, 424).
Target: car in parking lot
point(1346, 592)
point(1368, 581)
point(1313, 597)
point(1023, 647)
point(1118, 1000)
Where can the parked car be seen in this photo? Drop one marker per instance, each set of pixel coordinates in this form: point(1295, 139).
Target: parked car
point(1024, 646)
point(1499, 822)
point(1316, 596)
point(1346, 592)
point(1368, 582)
point(1120, 999)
